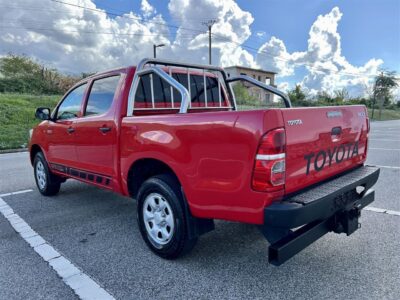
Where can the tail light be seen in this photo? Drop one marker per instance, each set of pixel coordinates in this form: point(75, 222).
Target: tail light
point(269, 167)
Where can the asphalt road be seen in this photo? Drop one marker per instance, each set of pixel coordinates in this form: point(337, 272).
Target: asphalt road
point(97, 231)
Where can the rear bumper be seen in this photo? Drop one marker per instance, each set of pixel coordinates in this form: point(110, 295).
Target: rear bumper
point(324, 200)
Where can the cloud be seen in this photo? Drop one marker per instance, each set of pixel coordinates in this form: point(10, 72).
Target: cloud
point(75, 39)
point(147, 9)
point(232, 28)
point(86, 40)
point(79, 40)
point(261, 34)
point(328, 69)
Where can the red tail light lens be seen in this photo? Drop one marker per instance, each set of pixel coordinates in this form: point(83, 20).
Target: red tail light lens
point(269, 167)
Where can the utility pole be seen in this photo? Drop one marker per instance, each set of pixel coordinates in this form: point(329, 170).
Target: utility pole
point(209, 24)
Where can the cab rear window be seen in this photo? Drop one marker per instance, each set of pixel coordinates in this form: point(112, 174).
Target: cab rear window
point(154, 92)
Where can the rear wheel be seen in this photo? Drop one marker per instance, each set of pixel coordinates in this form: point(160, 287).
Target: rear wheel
point(161, 217)
point(47, 183)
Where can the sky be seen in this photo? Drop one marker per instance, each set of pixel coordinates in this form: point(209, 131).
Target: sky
point(321, 44)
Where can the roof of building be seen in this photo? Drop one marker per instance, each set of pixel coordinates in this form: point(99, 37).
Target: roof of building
point(251, 69)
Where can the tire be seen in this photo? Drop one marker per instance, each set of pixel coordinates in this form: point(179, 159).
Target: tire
point(47, 183)
point(161, 217)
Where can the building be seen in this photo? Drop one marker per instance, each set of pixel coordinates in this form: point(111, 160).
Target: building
point(267, 77)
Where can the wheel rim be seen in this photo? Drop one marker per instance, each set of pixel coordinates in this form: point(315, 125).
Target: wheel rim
point(158, 218)
point(40, 175)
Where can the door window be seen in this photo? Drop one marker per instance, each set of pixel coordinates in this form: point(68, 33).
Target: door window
point(101, 95)
point(71, 105)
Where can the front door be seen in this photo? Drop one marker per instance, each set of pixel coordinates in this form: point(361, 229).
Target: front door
point(61, 130)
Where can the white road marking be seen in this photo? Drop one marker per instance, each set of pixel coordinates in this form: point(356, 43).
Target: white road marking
point(82, 285)
point(16, 193)
point(384, 149)
point(384, 211)
point(387, 167)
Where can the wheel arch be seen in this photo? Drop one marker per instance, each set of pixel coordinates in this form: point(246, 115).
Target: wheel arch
point(144, 168)
point(35, 148)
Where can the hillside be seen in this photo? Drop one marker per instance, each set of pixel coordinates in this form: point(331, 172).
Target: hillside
point(17, 116)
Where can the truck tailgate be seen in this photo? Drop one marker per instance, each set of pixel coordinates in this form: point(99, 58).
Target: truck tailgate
point(322, 142)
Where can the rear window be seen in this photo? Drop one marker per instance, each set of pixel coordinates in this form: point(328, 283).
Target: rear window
point(153, 84)
point(151, 88)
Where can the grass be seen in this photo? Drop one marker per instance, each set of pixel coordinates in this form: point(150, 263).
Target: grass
point(387, 114)
point(17, 116)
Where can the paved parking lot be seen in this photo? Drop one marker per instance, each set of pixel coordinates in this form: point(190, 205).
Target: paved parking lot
point(97, 231)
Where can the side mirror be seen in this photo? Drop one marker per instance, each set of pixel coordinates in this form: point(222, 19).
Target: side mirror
point(43, 113)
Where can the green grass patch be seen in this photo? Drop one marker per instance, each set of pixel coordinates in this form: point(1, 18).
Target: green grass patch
point(17, 116)
point(387, 114)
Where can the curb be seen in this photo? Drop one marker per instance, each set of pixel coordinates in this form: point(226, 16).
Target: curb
point(13, 150)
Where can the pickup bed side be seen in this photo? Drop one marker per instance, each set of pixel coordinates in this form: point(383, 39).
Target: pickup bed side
point(212, 154)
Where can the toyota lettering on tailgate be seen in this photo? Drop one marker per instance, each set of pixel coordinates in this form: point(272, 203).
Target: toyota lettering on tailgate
point(327, 157)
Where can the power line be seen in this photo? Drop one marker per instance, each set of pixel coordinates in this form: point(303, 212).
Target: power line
point(250, 48)
point(85, 32)
point(125, 16)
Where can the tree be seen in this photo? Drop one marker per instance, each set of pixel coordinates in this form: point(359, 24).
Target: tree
point(297, 96)
point(243, 96)
point(324, 98)
point(341, 96)
point(385, 82)
point(21, 74)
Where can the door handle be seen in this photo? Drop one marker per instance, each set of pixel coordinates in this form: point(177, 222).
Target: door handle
point(105, 129)
point(70, 130)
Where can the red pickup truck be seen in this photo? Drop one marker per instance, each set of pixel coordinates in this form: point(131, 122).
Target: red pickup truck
point(169, 135)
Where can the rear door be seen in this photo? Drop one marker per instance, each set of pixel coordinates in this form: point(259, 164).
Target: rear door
point(322, 142)
point(96, 134)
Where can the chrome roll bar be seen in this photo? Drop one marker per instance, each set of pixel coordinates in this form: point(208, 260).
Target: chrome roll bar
point(167, 62)
point(263, 86)
point(142, 69)
point(185, 104)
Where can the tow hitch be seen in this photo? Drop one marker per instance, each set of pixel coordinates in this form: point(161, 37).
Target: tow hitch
point(347, 221)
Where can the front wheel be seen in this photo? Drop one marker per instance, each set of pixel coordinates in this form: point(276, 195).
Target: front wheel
point(47, 183)
point(161, 217)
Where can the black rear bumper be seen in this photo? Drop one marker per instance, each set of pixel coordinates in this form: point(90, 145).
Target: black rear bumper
point(324, 200)
point(331, 206)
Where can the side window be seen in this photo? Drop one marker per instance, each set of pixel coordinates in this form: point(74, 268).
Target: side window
point(71, 105)
point(101, 95)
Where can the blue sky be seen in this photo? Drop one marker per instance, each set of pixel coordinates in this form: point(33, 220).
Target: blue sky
point(322, 45)
point(368, 28)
